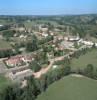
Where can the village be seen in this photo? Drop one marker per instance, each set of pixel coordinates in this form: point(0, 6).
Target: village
point(48, 50)
point(17, 67)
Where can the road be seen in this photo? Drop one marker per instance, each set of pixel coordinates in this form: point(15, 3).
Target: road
point(45, 70)
point(4, 69)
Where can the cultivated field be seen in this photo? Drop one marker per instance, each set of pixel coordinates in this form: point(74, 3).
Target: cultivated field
point(71, 88)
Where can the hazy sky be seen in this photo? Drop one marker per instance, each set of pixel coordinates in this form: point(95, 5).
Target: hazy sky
point(47, 7)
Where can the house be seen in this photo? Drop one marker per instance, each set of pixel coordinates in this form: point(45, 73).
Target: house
point(60, 37)
point(95, 44)
point(14, 61)
point(73, 38)
point(51, 33)
point(27, 58)
point(66, 44)
point(89, 43)
point(18, 60)
point(44, 34)
point(43, 29)
point(22, 36)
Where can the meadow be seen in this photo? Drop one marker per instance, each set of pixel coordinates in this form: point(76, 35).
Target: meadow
point(4, 82)
point(71, 88)
point(89, 58)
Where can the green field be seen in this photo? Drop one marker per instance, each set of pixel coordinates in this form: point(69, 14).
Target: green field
point(5, 22)
point(89, 58)
point(4, 45)
point(71, 88)
point(3, 82)
point(33, 23)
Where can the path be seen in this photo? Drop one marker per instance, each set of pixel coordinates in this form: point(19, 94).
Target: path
point(45, 70)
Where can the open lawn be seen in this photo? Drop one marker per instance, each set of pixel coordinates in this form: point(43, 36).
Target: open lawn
point(3, 82)
point(89, 58)
point(71, 88)
point(4, 45)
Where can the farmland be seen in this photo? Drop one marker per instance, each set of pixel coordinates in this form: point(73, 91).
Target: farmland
point(68, 88)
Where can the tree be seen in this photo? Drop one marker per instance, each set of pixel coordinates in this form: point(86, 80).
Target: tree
point(8, 33)
point(31, 90)
point(6, 53)
point(75, 44)
point(42, 57)
point(95, 74)
point(32, 44)
point(66, 61)
point(67, 70)
point(12, 92)
point(89, 70)
point(35, 66)
point(43, 83)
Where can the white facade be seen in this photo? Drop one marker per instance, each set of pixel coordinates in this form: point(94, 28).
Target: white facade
point(89, 43)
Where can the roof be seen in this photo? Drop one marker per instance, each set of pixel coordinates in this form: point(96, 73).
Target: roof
point(17, 59)
point(14, 60)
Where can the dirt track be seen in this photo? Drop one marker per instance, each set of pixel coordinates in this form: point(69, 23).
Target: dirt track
point(45, 70)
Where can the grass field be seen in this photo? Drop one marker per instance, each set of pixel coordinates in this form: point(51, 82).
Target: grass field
point(3, 82)
point(31, 23)
point(89, 58)
point(71, 88)
point(4, 45)
point(5, 22)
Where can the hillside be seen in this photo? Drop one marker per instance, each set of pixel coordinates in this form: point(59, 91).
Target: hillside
point(71, 88)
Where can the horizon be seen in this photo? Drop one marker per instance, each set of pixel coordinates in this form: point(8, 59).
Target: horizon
point(48, 7)
point(52, 15)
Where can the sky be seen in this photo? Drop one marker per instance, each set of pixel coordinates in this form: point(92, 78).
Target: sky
point(47, 7)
